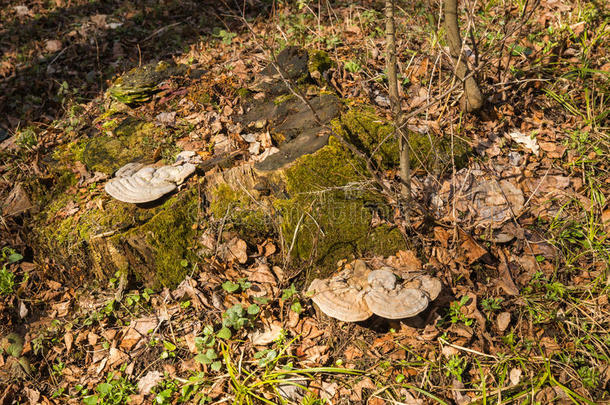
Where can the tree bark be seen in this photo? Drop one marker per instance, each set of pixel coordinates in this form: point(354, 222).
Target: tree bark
point(391, 68)
point(472, 99)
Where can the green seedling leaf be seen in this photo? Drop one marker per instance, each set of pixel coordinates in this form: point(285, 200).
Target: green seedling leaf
point(13, 258)
point(104, 388)
point(90, 400)
point(261, 300)
point(230, 286)
point(169, 346)
point(224, 333)
point(297, 307)
point(253, 309)
point(289, 292)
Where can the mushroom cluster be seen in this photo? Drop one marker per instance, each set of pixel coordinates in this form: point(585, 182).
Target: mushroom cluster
point(357, 292)
point(136, 183)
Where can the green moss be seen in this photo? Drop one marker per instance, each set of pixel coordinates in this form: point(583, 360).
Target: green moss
point(370, 134)
point(328, 215)
point(139, 84)
point(283, 98)
point(133, 140)
point(69, 236)
point(170, 236)
point(374, 136)
point(318, 63)
point(152, 241)
point(244, 93)
point(239, 211)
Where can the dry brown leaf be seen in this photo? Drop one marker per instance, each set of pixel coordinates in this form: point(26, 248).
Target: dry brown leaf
point(237, 250)
point(261, 274)
point(99, 20)
point(116, 357)
point(149, 381)
point(409, 261)
point(442, 235)
point(503, 321)
point(17, 202)
point(62, 308)
point(68, 340)
point(515, 376)
point(269, 334)
point(472, 249)
point(365, 383)
point(53, 45)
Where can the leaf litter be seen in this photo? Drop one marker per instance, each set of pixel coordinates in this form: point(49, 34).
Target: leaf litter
point(503, 244)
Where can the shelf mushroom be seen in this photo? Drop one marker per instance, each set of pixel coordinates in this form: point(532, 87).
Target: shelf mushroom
point(392, 301)
point(136, 183)
point(356, 293)
point(342, 296)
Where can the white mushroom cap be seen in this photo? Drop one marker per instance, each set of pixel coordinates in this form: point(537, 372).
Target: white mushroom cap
point(148, 183)
point(388, 300)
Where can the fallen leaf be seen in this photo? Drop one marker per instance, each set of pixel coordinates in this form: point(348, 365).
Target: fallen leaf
point(266, 336)
point(33, 395)
point(515, 376)
point(472, 249)
point(17, 202)
point(116, 357)
point(527, 141)
point(53, 45)
point(99, 20)
point(237, 249)
point(149, 381)
point(68, 340)
point(503, 321)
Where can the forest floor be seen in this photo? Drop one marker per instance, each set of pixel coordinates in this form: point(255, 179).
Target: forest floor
point(524, 315)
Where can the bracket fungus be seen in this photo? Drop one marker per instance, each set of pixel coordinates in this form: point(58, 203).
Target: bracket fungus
point(136, 183)
point(342, 297)
point(357, 292)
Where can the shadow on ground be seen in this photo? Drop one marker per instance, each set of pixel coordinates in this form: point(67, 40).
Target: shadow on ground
point(36, 80)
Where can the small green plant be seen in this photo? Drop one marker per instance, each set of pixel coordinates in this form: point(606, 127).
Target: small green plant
point(170, 350)
point(115, 391)
point(205, 346)
point(352, 66)
point(225, 36)
point(492, 304)
point(455, 312)
point(589, 377)
point(456, 366)
point(237, 317)
point(27, 138)
point(164, 391)
point(7, 277)
point(231, 287)
point(290, 294)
